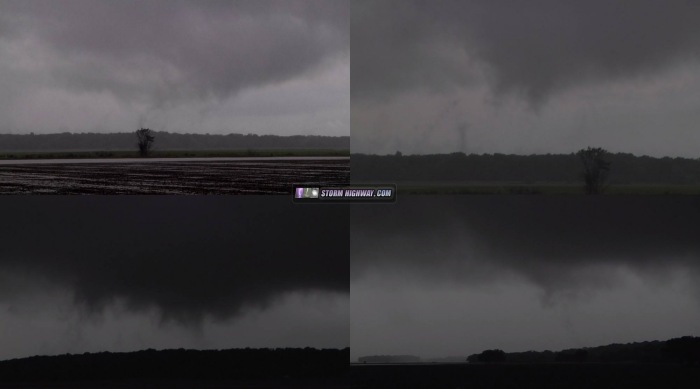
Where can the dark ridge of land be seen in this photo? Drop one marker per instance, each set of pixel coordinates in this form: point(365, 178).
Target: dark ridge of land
point(126, 141)
point(520, 173)
point(288, 367)
point(684, 350)
point(674, 363)
point(677, 350)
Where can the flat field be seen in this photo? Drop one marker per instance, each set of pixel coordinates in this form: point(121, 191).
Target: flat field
point(497, 188)
point(246, 175)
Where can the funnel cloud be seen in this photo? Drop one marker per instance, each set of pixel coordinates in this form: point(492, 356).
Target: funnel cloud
point(192, 266)
point(441, 276)
point(534, 77)
point(181, 66)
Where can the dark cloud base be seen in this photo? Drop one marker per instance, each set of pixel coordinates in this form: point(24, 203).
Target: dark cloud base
point(164, 52)
point(532, 49)
point(189, 257)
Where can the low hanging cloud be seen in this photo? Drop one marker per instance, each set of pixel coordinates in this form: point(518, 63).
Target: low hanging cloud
point(533, 49)
point(189, 258)
point(563, 245)
point(166, 52)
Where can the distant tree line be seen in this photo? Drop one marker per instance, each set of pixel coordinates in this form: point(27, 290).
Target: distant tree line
point(67, 141)
point(524, 169)
point(287, 363)
point(488, 356)
point(685, 350)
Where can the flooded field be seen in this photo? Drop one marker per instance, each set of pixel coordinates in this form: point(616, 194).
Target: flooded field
point(273, 175)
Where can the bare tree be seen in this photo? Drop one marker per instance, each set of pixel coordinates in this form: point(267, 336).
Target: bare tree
point(145, 141)
point(595, 169)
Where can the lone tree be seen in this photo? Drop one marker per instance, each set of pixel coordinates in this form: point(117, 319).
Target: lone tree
point(146, 140)
point(595, 169)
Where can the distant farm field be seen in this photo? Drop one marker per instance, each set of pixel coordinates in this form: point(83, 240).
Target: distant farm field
point(171, 176)
point(496, 188)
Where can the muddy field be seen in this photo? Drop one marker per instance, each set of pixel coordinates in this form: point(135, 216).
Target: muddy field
point(181, 176)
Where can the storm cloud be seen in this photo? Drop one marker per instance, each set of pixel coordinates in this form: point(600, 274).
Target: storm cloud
point(146, 60)
point(188, 259)
point(561, 244)
point(525, 77)
point(178, 50)
point(534, 48)
point(440, 276)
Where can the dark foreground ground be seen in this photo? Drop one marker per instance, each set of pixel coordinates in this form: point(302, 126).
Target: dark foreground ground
point(251, 176)
point(559, 375)
point(273, 383)
point(235, 368)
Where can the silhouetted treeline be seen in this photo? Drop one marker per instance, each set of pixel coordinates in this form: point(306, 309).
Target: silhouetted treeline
point(525, 169)
point(488, 356)
point(287, 363)
point(167, 141)
point(389, 359)
point(684, 350)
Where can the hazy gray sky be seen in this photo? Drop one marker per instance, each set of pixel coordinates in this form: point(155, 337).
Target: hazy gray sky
point(128, 273)
point(271, 66)
point(525, 77)
point(453, 275)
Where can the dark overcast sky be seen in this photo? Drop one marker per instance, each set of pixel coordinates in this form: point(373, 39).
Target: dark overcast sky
point(525, 77)
point(125, 273)
point(454, 275)
point(272, 66)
